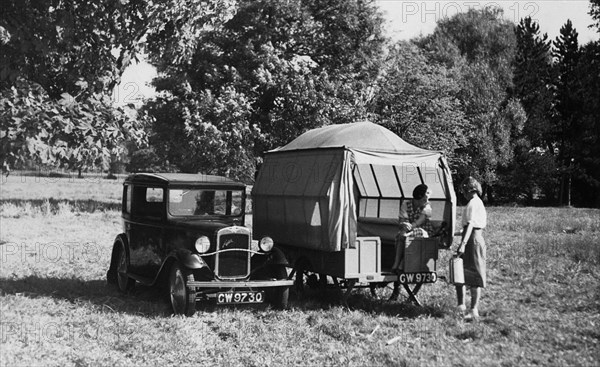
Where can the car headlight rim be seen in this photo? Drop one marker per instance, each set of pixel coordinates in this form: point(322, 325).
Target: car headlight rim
point(266, 244)
point(202, 244)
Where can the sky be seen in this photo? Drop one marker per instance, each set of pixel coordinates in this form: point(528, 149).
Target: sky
point(409, 19)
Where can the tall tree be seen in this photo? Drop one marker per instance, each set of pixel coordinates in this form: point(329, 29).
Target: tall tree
point(533, 169)
point(60, 44)
point(586, 184)
point(296, 65)
point(482, 36)
point(479, 46)
point(533, 82)
point(68, 133)
point(566, 53)
point(418, 100)
point(57, 59)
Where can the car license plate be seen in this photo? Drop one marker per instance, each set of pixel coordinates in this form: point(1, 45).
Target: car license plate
point(239, 297)
point(424, 277)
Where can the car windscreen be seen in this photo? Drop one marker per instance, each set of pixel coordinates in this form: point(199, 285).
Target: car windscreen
point(203, 202)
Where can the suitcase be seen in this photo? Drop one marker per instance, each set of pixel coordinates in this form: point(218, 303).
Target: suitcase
point(457, 274)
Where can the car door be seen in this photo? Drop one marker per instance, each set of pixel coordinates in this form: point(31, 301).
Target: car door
point(146, 230)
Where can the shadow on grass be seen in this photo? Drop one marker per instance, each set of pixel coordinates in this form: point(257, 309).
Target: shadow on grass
point(53, 206)
point(140, 301)
point(152, 301)
point(361, 299)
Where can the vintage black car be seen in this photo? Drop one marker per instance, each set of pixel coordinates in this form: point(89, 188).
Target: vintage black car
point(186, 231)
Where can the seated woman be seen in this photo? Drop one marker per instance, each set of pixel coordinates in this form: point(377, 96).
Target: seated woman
point(414, 219)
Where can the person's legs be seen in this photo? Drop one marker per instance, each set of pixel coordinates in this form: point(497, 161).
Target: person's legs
point(398, 262)
point(460, 297)
point(400, 245)
point(475, 295)
point(473, 314)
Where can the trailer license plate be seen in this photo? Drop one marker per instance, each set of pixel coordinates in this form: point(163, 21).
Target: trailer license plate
point(424, 277)
point(238, 297)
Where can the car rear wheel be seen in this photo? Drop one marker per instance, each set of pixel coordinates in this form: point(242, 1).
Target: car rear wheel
point(183, 300)
point(279, 296)
point(123, 280)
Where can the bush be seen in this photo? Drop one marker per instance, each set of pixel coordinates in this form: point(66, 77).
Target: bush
point(146, 160)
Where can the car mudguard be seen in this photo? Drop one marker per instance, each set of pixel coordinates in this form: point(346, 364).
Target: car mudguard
point(277, 257)
point(187, 259)
point(111, 274)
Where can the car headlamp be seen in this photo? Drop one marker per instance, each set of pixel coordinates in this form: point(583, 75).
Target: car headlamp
point(266, 244)
point(202, 244)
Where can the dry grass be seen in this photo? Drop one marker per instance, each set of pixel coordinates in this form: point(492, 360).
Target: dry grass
point(542, 305)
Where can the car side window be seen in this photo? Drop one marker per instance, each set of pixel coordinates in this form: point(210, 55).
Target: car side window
point(148, 201)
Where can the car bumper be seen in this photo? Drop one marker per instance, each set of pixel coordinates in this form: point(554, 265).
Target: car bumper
point(242, 284)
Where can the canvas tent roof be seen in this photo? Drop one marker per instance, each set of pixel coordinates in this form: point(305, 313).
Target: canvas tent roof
point(363, 135)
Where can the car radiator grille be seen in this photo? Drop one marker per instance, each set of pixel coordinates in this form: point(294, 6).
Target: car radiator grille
point(233, 264)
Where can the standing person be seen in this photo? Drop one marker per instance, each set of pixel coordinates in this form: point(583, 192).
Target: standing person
point(414, 221)
point(472, 247)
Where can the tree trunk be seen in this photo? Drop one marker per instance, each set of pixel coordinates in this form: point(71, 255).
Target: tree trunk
point(489, 191)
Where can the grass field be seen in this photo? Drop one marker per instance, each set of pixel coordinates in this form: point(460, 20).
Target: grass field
point(541, 306)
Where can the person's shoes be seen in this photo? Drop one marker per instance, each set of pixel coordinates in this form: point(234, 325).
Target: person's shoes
point(473, 315)
point(461, 309)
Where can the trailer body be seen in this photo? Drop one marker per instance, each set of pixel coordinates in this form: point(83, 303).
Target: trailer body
point(331, 199)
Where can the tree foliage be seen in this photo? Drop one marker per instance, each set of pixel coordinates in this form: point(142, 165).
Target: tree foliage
point(533, 169)
point(287, 66)
point(479, 48)
point(595, 13)
point(63, 45)
point(566, 53)
point(587, 153)
point(239, 77)
point(534, 82)
point(418, 100)
point(57, 68)
point(65, 132)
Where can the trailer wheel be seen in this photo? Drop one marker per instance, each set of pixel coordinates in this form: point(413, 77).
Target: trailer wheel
point(312, 281)
point(323, 281)
point(377, 289)
point(299, 270)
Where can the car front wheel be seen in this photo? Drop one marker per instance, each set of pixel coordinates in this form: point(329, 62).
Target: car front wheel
point(183, 300)
point(278, 296)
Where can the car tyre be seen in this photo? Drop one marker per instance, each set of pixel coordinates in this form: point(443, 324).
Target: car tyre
point(279, 296)
point(183, 300)
point(124, 282)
